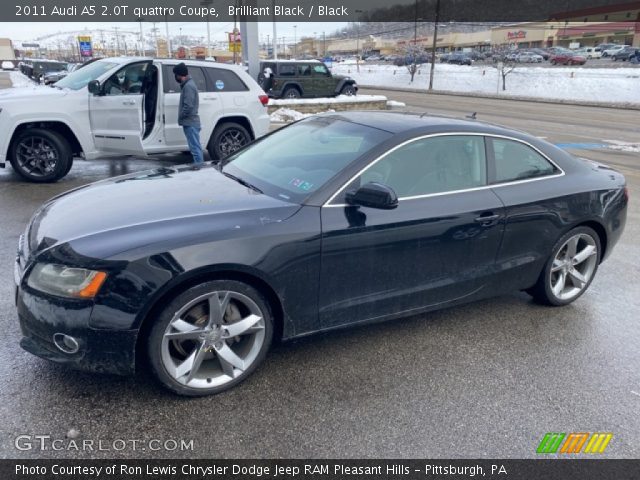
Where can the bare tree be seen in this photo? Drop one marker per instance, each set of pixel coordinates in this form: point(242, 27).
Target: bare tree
point(505, 62)
point(415, 54)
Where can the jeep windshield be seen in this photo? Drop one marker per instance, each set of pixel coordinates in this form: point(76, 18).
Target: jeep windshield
point(81, 77)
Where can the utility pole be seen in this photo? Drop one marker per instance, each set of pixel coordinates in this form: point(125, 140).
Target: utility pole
point(295, 41)
point(166, 24)
point(275, 38)
point(324, 45)
point(117, 42)
point(268, 45)
point(358, 41)
point(207, 4)
point(155, 39)
point(435, 44)
point(141, 37)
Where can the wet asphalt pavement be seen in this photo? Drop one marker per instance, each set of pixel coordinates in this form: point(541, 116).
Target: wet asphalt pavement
point(487, 379)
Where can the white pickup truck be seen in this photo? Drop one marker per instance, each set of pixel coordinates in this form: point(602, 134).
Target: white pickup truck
point(125, 106)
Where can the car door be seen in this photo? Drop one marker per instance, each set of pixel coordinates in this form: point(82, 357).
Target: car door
point(323, 82)
point(305, 79)
point(527, 182)
point(437, 246)
point(174, 134)
point(116, 115)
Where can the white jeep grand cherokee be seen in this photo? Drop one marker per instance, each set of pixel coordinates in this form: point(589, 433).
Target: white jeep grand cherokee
point(125, 106)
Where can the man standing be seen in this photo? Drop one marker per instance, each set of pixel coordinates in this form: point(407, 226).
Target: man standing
point(188, 113)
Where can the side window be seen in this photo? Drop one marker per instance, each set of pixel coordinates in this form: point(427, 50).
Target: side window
point(304, 70)
point(221, 80)
point(170, 84)
point(288, 70)
point(320, 70)
point(431, 165)
point(127, 80)
point(517, 161)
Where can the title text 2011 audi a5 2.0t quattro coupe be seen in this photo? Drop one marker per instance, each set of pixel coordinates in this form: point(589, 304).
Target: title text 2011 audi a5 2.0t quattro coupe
point(335, 220)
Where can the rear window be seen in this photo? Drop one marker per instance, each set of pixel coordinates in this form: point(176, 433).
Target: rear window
point(222, 80)
point(287, 70)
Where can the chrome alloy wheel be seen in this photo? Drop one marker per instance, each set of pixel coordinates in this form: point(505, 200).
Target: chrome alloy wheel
point(573, 266)
point(231, 141)
point(213, 339)
point(36, 155)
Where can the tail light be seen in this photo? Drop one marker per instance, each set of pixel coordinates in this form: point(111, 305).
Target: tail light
point(264, 99)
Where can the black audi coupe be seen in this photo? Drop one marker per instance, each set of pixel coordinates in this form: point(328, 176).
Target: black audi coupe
point(335, 220)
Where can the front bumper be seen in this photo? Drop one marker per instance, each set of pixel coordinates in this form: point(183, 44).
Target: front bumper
point(42, 316)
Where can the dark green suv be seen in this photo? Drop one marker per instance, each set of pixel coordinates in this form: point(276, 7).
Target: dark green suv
point(302, 78)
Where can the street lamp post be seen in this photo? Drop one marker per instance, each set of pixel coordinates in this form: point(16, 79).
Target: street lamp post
point(141, 37)
point(358, 41)
point(207, 4)
point(295, 42)
point(435, 43)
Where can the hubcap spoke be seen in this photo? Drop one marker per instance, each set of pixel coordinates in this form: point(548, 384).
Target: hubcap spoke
point(572, 246)
point(245, 325)
point(217, 306)
point(560, 282)
point(577, 278)
point(585, 253)
point(557, 265)
point(225, 354)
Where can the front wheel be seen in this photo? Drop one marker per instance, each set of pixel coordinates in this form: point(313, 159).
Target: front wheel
point(348, 90)
point(227, 138)
point(41, 155)
point(210, 338)
point(570, 268)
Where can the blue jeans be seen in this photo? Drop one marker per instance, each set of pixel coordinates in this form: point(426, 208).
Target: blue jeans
point(193, 139)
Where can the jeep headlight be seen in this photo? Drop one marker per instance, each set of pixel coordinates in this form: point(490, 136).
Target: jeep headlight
point(65, 281)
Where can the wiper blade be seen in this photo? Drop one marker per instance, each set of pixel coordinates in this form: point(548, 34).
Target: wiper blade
point(242, 182)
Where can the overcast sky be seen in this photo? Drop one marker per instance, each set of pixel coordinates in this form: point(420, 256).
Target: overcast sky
point(26, 32)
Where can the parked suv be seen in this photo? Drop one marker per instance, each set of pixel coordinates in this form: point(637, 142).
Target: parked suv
point(308, 78)
point(624, 54)
point(125, 106)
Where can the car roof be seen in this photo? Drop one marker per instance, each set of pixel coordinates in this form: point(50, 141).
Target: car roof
point(171, 61)
point(292, 61)
point(422, 124)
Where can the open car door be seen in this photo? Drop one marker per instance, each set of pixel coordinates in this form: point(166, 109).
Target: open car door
point(117, 113)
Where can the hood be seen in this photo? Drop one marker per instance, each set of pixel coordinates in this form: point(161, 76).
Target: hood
point(153, 207)
point(37, 93)
point(341, 77)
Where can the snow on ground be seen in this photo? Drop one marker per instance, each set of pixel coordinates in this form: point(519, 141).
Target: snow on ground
point(285, 115)
point(623, 146)
point(609, 85)
point(20, 81)
point(393, 103)
point(338, 99)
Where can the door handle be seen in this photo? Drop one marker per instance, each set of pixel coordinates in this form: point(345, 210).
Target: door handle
point(210, 98)
point(128, 103)
point(487, 219)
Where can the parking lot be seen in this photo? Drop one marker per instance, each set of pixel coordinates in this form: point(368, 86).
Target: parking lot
point(487, 379)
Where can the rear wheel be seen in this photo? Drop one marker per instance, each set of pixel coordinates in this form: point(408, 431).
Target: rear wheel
point(227, 138)
point(570, 268)
point(291, 92)
point(210, 338)
point(41, 155)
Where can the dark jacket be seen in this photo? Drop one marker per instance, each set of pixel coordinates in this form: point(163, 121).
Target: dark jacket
point(189, 102)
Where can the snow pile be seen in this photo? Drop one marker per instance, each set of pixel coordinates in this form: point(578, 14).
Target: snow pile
point(19, 80)
point(623, 146)
point(338, 99)
point(395, 104)
point(285, 115)
point(609, 85)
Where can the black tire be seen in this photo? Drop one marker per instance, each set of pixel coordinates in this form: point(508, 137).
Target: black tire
point(226, 139)
point(348, 90)
point(48, 170)
point(541, 291)
point(158, 330)
point(553, 62)
point(291, 92)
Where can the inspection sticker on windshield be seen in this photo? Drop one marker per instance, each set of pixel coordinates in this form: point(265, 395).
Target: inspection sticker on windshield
point(301, 184)
point(219, 84)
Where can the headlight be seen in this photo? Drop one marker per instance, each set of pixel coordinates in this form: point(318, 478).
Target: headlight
point(66, 281)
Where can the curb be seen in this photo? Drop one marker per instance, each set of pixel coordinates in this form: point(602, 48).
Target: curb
point(628, 106)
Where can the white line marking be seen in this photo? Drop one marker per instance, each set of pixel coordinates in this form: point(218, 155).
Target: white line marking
point(635, 393)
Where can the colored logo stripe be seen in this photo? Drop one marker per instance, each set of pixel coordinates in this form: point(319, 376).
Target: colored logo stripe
point(598, 442)
point(550, 443)
point(574, 442)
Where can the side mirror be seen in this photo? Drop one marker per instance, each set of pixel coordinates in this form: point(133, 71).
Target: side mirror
point(94, 87)
point(373, 195)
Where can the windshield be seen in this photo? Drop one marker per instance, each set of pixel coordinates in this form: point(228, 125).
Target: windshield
point(294, 162)
point(80, 78)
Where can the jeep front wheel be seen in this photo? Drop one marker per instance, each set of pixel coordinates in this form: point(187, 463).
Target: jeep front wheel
point(291, 92)
point(41, 155)
point(348, 90)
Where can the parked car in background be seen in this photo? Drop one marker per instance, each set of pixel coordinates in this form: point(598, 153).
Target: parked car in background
point(624, 54)
point(588, 52)
point(336, 220)
point(528, 57)
point(444, 57)
point(542, 52)
point(459, 59)
point(39, 68)
point(50, 78)
point(303, 79)
point(125, 106)
point(604, 46)
point(567, 57)
point(8, 65)
point(609, 52)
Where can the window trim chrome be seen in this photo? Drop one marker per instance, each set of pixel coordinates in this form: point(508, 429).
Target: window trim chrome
point(438, 194)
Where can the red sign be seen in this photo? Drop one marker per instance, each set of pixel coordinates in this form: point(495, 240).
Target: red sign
point(515, 35)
